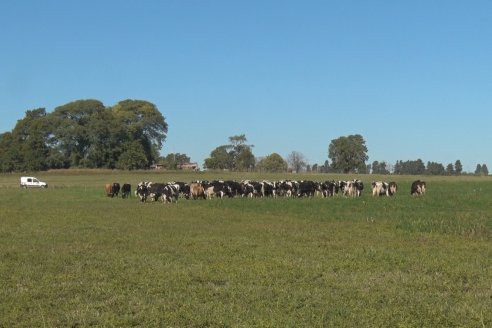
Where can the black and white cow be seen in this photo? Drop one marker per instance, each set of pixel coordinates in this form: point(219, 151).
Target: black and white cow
point(182, 187)
point(217, 189)
point(236, 187)
point(392, 189)
point(170, 193)
point(248, 189)
point(352, 188)
point(155, 190)
point(306, 189)
point(418, 188)
point(142, 191)
point(381, 188)
point(268, 188)
point(328, 188)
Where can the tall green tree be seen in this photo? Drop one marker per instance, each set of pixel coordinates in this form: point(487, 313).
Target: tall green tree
point(241, 153)
point(348, 154)
point(71, 129)
point(450, 169)
point(144, 123)
point(220, 159)
point(272, 163)
point(244, 160)
point(434, 168)
point(10, 154)
point(458, 167)
point(237, 155)
point(133, 157)
point(379, 167)
point(107, 138)
point(416, 167)
point(84, 133)
point(29, 141)
point(485, 170)
point(478, 169)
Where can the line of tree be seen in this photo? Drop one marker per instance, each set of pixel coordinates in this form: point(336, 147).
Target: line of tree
point(85, 134)
point(348, 154)
point(130, 134)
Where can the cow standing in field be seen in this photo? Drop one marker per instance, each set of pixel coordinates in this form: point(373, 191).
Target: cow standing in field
point(268, 188)
point(381, 188)
point(306, 189)
point(352, 188)
point(142, 191)
point(287, 188)
point(126, 190)
point(392, 189)
point(197, 191)
point(217, 189)
point(418, 188)
point(328, 188)
point(182, 187)
point(236, 187)
point(170, 193)
point(112, 189)
point(109, 190)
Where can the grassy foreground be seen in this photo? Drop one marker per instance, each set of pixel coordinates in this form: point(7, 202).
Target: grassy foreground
point(69, 256)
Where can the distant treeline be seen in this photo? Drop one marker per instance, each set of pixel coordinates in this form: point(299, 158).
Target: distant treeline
point(130, 135)
point(409, 167)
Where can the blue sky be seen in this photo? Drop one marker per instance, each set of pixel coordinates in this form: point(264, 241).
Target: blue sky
point(414, 78)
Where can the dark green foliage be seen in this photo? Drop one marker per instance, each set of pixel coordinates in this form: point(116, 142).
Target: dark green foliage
point(348, 154)
point(410, 167)
point(434, 168)
point(236, 156)
point(85, 134)
point(458, 167)
point(379, 168)
point(220, 159)
point(173, 160)
point(272, 163)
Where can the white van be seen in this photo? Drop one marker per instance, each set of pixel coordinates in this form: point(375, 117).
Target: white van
point(26, 182)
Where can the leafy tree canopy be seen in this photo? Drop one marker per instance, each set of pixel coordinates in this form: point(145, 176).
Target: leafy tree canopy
point(237, 155)
point(272, 163)
point(84, 133)
point(348, 154)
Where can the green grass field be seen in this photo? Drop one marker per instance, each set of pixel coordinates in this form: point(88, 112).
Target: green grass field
point(72, 257)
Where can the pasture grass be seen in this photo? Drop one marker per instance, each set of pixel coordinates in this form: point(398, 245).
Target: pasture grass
point(70, 256)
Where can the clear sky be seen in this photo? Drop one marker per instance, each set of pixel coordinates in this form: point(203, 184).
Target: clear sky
point(414, 78)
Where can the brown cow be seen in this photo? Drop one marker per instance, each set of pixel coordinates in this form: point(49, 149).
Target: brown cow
point(197, 191)
point(109, 189)
point(112, 189)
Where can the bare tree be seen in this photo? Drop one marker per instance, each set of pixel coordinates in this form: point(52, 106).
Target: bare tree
point(296, 161)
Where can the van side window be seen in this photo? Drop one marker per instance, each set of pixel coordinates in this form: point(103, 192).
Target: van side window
point(29, 180)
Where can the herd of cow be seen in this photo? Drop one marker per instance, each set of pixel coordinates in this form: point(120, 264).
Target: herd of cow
point(172, 191)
